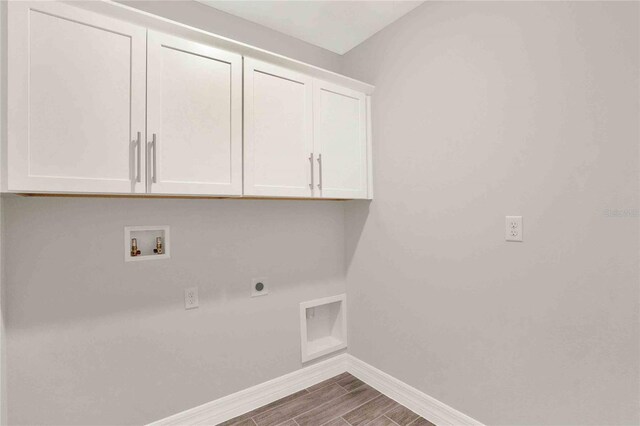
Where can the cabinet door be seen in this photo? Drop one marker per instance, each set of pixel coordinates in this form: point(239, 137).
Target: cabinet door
point(340, 141)
point(278, 131)
point(194, 118)
point(76, 92)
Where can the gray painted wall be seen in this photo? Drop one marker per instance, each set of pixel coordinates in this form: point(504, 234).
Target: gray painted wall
point(94, 340)
point(3, 135)
point(483, 110)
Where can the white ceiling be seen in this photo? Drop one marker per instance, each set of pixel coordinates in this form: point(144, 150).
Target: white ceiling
point(338, 26)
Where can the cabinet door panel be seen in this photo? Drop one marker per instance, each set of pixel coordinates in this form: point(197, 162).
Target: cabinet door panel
point(76, 100)
point(194, 109)
point(278, 131)
point(340, 136)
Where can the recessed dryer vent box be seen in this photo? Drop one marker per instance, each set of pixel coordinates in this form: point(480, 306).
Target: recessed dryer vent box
point(147, 243)
point(323, 326)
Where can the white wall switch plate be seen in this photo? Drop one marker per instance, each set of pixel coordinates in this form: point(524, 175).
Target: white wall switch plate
point(259, 287)
point(191, 298)
point(513, 228)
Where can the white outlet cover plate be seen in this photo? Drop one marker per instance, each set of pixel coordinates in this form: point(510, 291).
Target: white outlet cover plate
point(265, 290)
point(513, 228)
point(191, 298)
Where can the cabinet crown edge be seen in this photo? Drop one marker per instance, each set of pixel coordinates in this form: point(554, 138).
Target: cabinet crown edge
point(169, 26)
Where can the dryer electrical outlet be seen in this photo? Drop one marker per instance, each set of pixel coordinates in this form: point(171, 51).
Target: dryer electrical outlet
point(259, 287)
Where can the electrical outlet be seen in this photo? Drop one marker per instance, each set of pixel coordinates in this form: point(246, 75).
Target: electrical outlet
point(259, 287)
point(191, 298)
point(513, 228)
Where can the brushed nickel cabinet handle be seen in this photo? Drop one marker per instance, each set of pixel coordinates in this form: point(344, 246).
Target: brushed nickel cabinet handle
point(138, 178)
point(320, 170)
point(311, 161)
point(153, 145)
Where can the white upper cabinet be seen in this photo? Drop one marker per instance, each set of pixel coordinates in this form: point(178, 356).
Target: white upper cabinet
point(303, 137)
point(76, 96)
point(278, 131)
point(99, 105)
point(340, 141)
point(194, 118)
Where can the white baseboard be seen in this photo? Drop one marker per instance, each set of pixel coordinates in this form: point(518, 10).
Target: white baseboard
point(419, 402)
point(241, 402)
point(233, 405)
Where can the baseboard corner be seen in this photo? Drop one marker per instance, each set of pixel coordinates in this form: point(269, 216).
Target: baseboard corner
point(238, 403)
point(419, 402)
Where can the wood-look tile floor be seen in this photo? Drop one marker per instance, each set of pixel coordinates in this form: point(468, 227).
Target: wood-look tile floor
point(340, 401)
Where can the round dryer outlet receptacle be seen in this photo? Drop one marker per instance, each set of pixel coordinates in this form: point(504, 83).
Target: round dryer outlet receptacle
point(259, 287)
